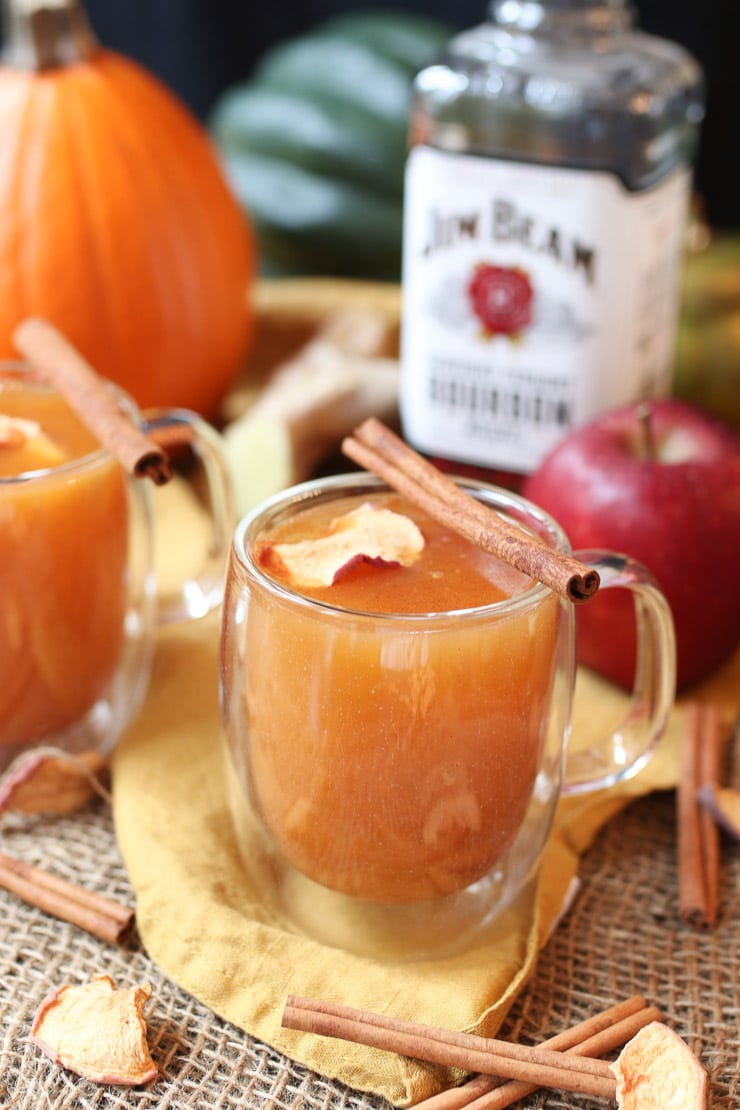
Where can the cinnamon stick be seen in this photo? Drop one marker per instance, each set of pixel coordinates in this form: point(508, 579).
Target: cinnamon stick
point(62, 366)
point(539, 1066)
point(593, 1037)
point(375, 447)
point(96, 914)
point(174, 434)
point(713, 735)
point(505, 1094)
point(698, 836)
point(691, 885)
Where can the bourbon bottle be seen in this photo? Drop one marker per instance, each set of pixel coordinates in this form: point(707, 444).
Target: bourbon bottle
point(547, 190)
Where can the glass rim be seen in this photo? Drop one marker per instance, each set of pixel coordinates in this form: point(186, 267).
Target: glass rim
point(310, 492)
point(18, 369)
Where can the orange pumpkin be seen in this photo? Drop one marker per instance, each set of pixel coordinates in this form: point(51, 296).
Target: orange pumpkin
point(117, 224)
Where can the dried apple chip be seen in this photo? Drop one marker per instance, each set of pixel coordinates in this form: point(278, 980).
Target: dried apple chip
point(14, 431)
point(47, 781)
point(656, 1070)
point(35, 450)
point(97, 1031)
point(367, 534)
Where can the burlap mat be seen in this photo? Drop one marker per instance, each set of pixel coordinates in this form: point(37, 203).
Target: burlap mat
point(620, 936)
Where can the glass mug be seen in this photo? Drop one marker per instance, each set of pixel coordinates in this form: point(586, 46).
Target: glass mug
point(393, 777)
point(79, 603)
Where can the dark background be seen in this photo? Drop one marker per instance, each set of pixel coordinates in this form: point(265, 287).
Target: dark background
point(199, 47)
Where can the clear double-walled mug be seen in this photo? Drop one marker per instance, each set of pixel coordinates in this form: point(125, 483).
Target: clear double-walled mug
point(79, 600)
point(396, 754)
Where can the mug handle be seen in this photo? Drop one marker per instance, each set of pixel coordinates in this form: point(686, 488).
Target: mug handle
point(200, 591)
point(627, 749)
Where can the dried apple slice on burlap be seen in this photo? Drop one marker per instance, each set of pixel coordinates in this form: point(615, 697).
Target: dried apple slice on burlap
point(656, 1070)
point(97, 1031)
point(50, 781)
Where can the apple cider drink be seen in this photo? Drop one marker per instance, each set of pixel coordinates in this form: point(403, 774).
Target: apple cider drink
point(389, 714)
point(62, 577)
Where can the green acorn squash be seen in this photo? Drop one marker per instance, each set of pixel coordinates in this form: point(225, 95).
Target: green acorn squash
point(314, 143)
point(708, 346)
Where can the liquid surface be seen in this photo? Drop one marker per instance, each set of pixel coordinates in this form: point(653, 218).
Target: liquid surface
point(450, 573)
point(63, 435)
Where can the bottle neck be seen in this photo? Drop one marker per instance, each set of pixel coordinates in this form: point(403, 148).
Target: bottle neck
point(566, 19)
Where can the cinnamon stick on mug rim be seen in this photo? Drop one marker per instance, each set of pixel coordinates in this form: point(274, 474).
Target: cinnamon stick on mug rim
point(375, 447)
point(61, 365)
point(539, 1066)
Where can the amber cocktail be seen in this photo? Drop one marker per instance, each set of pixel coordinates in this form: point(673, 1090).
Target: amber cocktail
point(389, 729)
point(78, 597)
point(396, 733)
point(63, 589)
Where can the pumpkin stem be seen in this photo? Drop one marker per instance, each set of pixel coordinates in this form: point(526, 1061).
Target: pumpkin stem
point(43, 34)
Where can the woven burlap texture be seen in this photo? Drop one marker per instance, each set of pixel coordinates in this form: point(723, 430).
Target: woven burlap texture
point(620, 936)
point(208, 929)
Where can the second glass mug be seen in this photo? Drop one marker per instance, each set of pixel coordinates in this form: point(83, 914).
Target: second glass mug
point(79, 597)
point(393, 778)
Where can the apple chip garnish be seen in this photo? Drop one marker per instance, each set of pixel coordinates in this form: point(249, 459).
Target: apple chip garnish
point(97, 1031)
point(367, 534)
point(16, 431)
point(656, 1070)
point(723, 802)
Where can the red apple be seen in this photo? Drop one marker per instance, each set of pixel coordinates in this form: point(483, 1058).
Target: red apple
point(659, 481)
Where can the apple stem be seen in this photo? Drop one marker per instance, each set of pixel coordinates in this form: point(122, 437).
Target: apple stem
point(646, 437)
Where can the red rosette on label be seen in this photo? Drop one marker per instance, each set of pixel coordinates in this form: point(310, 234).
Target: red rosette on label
point(501, 298)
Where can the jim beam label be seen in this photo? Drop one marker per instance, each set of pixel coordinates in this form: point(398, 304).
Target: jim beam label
point(534, 298)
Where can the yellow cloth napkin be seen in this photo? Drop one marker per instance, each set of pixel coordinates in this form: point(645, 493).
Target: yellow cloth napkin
point(209, 931)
